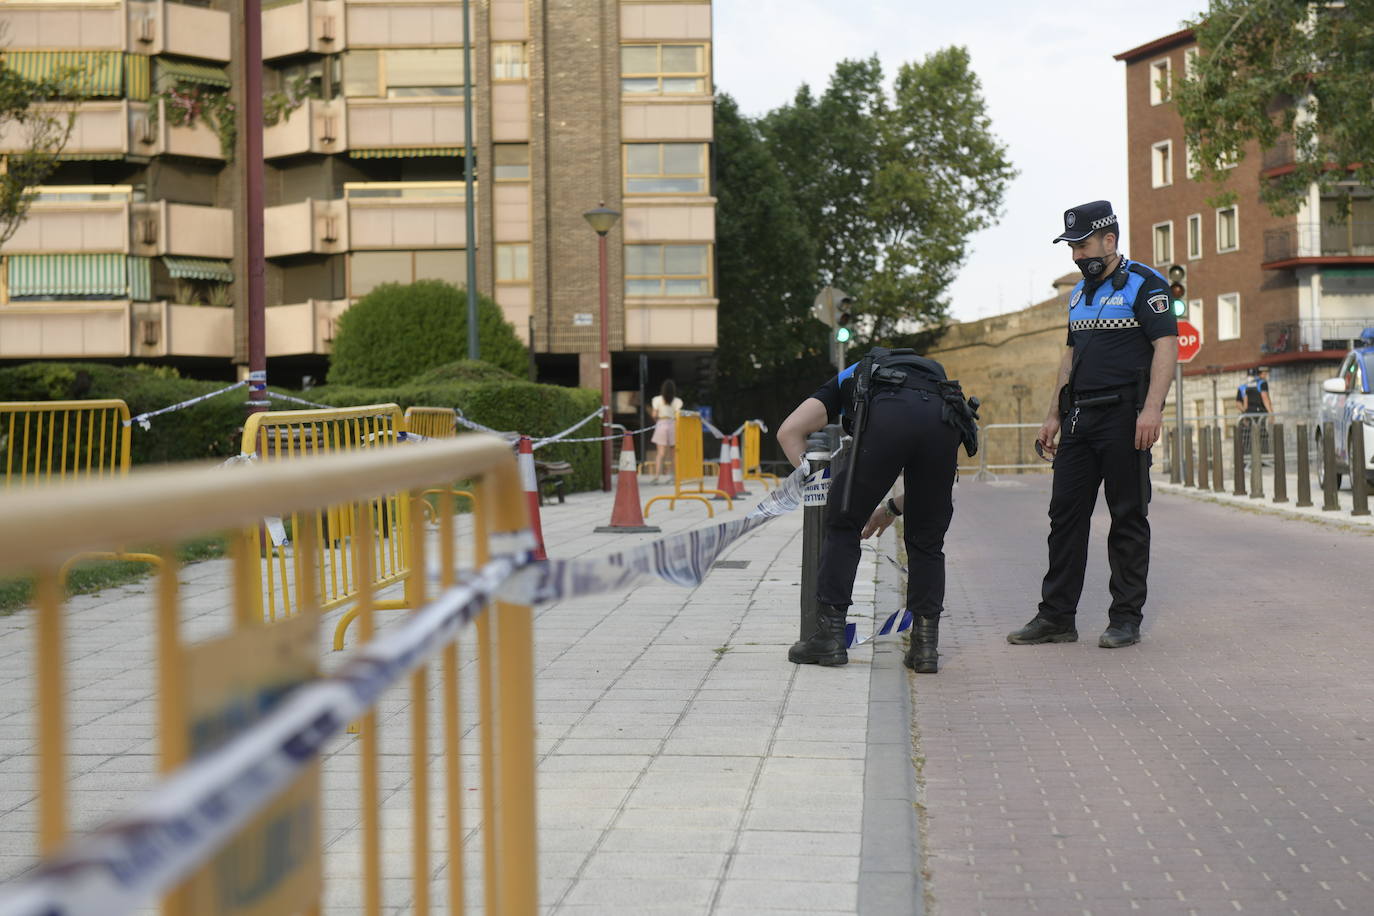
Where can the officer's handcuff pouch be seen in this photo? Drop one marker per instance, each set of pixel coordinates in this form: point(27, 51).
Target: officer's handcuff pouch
point(961, 414)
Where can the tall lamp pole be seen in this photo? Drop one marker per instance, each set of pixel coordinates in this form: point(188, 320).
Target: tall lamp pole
point(602, 219)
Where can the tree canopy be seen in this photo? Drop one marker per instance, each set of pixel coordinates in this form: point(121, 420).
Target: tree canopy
point(1273, 70)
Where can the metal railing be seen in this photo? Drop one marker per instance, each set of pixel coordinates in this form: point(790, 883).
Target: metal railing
point(212, 800)
point(1347, 238)
point(1294, 335)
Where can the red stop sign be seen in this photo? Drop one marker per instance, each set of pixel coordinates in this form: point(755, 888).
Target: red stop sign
point(1189, 341)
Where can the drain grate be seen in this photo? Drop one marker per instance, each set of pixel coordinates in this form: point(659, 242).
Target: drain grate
point(730, 564)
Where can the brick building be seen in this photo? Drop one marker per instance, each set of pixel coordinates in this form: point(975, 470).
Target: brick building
point(1288, 292)
point(135, 249)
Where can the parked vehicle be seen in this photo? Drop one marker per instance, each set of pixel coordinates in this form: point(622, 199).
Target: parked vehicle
point(1348, 404)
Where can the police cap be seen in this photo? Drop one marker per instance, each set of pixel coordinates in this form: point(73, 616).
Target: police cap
point(1085, 219)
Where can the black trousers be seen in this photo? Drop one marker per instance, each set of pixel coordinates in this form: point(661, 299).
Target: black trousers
point(905, 435)
point(1098, 449)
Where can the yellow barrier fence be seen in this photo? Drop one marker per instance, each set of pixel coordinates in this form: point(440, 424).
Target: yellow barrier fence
point(749, 461)
point(437, 423)
point(224, 700)
point(49, 442)
point(688, 467)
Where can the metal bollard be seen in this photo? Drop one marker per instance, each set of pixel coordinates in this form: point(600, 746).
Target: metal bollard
point(1204, 448)
point(1238, 455)
point(813, 530)
point(1189, 467)
point(1175, 470)
point(1218, 469)
point(1304, 471)
point(1359, 483)
point(1256, 460)
point(1280, 466)
point(1329, 501)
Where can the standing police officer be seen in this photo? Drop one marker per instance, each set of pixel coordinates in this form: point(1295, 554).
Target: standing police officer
point(1122, 349)
point(915, 419)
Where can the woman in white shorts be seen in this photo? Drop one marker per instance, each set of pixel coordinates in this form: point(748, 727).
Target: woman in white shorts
point(665, 408)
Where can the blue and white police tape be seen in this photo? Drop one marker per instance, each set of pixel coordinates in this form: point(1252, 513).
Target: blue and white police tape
point(182, 823)
point(143, 418)
point(538, 443)
point(286, 397)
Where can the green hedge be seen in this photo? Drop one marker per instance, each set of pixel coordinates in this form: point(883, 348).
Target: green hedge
point(506, 405)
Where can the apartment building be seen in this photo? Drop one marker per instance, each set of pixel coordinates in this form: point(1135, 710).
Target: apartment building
point(136, 248)
point(1288, 292)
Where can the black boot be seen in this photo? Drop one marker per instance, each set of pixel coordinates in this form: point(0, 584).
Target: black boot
point(826, 646)
point(925, 636)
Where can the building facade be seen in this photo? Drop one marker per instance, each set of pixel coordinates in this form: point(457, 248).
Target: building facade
point(135, 249)
point(1292, 293)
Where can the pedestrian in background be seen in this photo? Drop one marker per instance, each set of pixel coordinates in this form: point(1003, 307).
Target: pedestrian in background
point(916, 420)
point(1113, 376)
point(666, 405)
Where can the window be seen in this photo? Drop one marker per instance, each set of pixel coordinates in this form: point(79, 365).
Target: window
point(667, 270)
point(663, 69)
point(1195, 316)
point(513, 263)
point(403, 72)
point(1195, 236)
point(1159, 82)
point(510, 161)
point(1228, 316)
point(1228, 229)
point(1161, 164)
point(1164, 242)
point(1189, 63)
point(509, 61)
point(665, 168)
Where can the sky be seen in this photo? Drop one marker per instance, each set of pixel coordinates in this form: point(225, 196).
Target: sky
point(1055, 96)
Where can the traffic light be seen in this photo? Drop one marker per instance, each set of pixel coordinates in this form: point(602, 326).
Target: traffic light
point(843, 316)
point(1178, 289)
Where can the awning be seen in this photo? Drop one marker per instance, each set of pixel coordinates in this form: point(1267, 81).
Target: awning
point(137, 84)
point(182, 71)
point(200, 269)
point(99, 73)
point(406, 152)
point(114, 275)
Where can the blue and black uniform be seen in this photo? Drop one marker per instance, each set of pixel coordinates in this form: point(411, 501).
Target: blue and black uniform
point(1113, 323)
point(908, 432)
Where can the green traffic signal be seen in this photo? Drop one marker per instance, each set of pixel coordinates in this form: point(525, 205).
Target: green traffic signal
point(1180, 308)
point(843, 334)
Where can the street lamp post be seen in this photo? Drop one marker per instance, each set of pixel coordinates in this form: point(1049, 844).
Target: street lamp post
point(601, 220)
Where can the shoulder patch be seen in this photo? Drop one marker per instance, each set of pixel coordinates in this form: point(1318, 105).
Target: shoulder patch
point(1159, 303)
point(1074, 299)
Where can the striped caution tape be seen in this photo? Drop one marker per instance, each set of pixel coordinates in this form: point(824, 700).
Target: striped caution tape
point(143, 418)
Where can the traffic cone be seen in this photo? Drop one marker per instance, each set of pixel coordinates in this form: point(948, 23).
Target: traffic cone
point(531, 482)
point(737, 472)
point(626, 517)
point(725, 479)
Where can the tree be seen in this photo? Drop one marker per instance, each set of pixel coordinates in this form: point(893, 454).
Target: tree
point(892, 188)
point(1268, 70)
point(37, 117)
point(397, 332)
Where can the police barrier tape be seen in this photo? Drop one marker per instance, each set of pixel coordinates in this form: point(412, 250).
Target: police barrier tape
point(143, 418)
point(184, 821)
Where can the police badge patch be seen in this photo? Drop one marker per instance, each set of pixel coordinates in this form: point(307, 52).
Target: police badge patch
point(1077, 295)
point(1159, 303)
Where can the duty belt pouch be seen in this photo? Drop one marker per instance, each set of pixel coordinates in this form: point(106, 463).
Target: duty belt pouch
point(1064, 399)
point(961, 414)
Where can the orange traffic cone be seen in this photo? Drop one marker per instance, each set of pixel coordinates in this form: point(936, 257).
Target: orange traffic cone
point(736, 472)
point(626, 517)
point(531, 482)
point(725, 482)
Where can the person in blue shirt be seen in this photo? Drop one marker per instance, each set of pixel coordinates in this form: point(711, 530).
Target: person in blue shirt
point(911, 430)
point(1113, 377)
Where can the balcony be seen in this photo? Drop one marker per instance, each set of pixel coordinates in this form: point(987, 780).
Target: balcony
point(61, 330)
point(162, 27)
point(187, 230)
point(304, 27)
point(1280, 157)
point(316, 127)
point(390, 127)
point(1302, 335)
point(81, 219)
point(303, 328)
point(405, 214)
point(86, 26)
point(1315, 243)
point(309, 227)
point(160, 329)
point(101, 130)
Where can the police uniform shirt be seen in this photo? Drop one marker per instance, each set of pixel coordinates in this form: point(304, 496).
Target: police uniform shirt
point(829, 393)
point(1249, 394)
point(1113, 325)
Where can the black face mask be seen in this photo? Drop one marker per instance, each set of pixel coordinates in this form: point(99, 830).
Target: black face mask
point(1091, 268)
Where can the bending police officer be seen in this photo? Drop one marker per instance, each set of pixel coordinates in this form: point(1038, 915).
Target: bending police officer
point(910, 423)
point(1113, 376)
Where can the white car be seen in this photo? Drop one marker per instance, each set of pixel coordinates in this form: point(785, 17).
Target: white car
point(1348, 404)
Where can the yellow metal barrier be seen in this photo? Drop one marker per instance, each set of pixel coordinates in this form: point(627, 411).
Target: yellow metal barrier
point(688, 467)
point(289, 435)
point(749, 460)
point(60, 441)
point(262, 658)
point(436, 423)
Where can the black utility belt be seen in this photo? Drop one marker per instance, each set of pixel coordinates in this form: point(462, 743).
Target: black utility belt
point(1104, 397)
